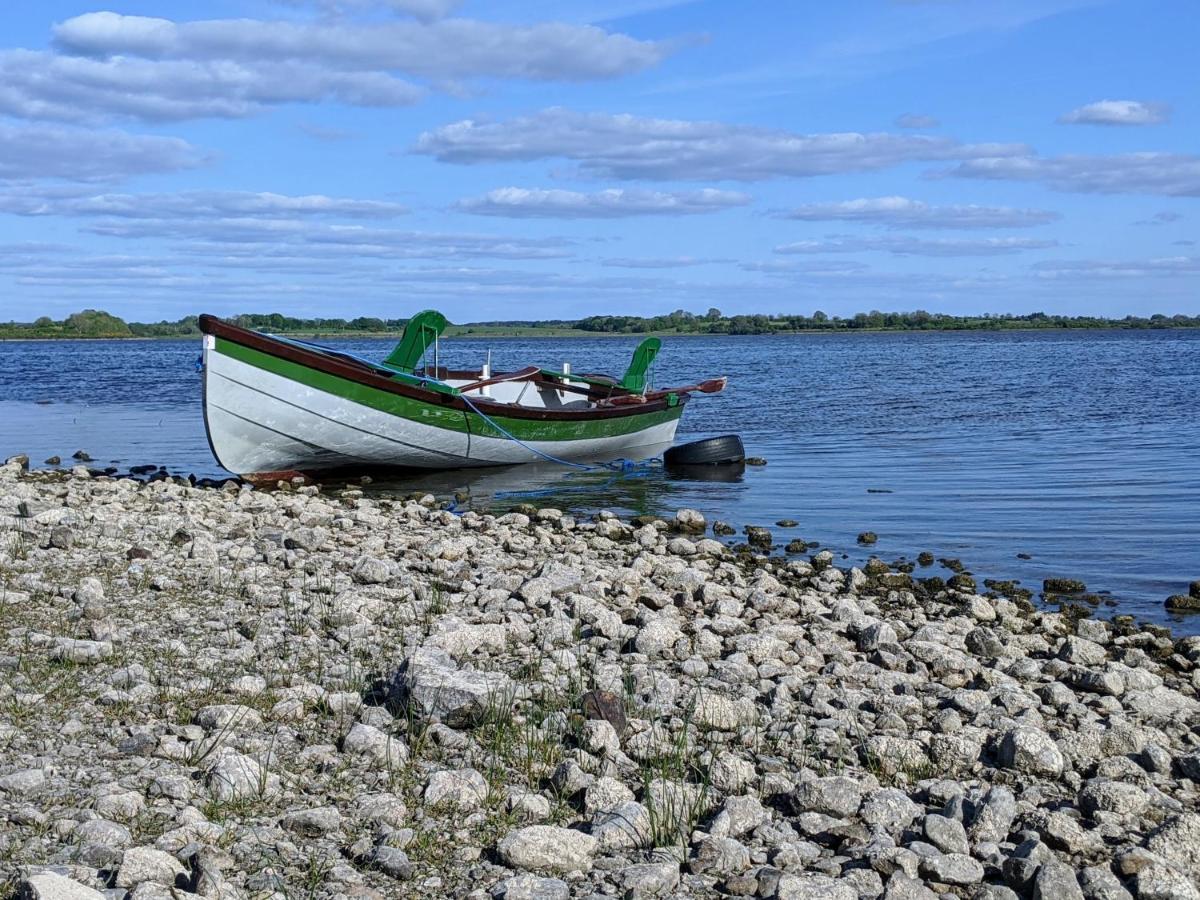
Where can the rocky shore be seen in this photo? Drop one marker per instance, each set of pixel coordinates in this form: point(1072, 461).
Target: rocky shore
point(235, 693)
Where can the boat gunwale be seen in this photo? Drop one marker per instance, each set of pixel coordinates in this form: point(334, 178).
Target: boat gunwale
point(359, 373)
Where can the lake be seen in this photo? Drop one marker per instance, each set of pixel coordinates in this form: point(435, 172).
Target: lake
point(1076, 449)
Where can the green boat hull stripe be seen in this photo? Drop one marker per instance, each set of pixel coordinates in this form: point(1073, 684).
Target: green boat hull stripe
point(439, 416)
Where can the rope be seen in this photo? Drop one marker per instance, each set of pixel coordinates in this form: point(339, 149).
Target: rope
point(617, 465)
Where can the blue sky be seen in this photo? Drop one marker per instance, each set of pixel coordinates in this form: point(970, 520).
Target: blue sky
point(508, 160)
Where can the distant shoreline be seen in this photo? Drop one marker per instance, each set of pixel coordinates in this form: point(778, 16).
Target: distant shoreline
point(543, 334)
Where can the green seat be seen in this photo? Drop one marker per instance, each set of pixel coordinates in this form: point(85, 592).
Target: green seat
point(643, 357)
point(420, 333)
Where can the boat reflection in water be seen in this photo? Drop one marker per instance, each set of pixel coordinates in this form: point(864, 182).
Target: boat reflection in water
point(641, 486)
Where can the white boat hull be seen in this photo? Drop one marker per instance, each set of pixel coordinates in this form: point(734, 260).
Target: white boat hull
point(261, 422)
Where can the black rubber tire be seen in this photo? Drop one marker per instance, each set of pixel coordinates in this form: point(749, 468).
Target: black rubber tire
point(709, 452)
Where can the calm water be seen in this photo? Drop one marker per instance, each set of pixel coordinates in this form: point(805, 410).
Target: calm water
point(1080, 449)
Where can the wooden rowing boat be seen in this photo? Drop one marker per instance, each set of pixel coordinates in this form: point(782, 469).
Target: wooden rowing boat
point(275, 407)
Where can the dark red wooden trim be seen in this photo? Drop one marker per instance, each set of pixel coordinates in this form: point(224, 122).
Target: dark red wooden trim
point(364, 374)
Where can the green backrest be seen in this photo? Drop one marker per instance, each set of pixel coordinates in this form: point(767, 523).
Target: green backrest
point(643, 356)
point(419, 334)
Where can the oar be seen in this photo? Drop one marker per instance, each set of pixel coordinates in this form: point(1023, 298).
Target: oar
point(712, 386)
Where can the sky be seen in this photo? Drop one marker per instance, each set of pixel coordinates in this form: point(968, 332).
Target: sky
point(528, 159)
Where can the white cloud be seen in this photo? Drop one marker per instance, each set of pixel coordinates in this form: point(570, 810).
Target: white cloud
point(649, 262)
point(1165, 174)
point(1118, 112)
point(75, 154)
point(1166, 217)
point(192, 205)
point(260, 238)
point(614, 203)
point(452, 48)
point(40, 85)
point(627, 146)
point(425, 10)
point(916, 120)
point(902, 212)
point(907, 246)
point(1167, 266)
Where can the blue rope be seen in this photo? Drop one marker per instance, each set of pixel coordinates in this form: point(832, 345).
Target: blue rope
point(617, 465)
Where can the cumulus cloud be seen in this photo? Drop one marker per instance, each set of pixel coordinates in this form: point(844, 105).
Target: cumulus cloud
point(1118, 112)
point(452, 48)
point(628, 147)
point(1165, 174)
point(916, 120)
point(908, 246)
point(75, 154)
point(111, 66)
point(43, 85)
point(902, 212)
point(513, 202)
point(192, 205)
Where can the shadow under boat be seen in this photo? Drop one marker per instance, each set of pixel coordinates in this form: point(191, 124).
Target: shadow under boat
point(639, 483)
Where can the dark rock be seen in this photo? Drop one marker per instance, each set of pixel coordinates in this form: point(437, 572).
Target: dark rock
point(1063, 586)
point(984, 642)
point(796, 546)
point(62, 537)
point(139, 744)
point(723, 529)
point(81, 455)
point(137, 553)
point(53, 460)
point(755, 461)
point(963, 583)
point(867, 538)
point(1181, 603)
point(925, 558)
point(787, 523)
point(954, 565)
point(758, 536)
point(605, 705)
point(1194, 589)
point(876, 566)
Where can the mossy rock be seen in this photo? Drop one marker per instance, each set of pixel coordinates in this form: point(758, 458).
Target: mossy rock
point(1063, 586)
point(925, 558)
point(953, 564)
point(934, 585)
point(876, 566)
point(866, 538)
point(757, 535)
point(724, 529)
point(796, 546)
point(963, 583)
point(895, 581)
point(1182, 603)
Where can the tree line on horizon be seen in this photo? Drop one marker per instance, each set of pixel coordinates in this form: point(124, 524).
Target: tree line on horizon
point(92, 323)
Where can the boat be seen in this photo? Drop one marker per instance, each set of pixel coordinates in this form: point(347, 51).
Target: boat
point(276, 407)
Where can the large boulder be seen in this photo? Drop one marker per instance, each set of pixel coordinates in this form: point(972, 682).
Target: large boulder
point(430, 684)
point(547, 848)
